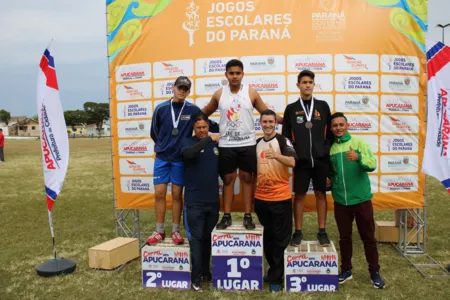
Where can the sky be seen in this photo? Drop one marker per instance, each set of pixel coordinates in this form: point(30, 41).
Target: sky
point(79, 30)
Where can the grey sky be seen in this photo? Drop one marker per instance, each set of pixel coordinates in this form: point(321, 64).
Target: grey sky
point(79, 29)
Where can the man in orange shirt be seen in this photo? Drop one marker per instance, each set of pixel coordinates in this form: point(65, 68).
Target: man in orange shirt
point(273, 198)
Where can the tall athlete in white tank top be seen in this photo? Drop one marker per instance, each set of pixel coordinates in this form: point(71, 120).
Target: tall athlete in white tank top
point(237, 126)
point(237, 144)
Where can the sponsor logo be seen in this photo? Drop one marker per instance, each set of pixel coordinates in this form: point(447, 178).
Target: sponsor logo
point(133, 72)
point(400, 64)
point(207, 86)
point(328, 22)
point(399, 144)
point(260, 64)
point(192, 23)
point(298, 63)
point(134, 110)
point(355, 83)
point(49, 146)
point(399, 183)
point(220, 237)
point(137, 185)
point(399, 124)
point(136, 147)
point(172, 69)
point(399, 84)
point(355, 64)
point(443, 121)
point(399, 104)
point(266, 83)
point(133, 92)
point(361, 124)
point(136, 168)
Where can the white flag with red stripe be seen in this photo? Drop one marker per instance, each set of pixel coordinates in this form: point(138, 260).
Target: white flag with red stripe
point(436, 159)
point(53, 132)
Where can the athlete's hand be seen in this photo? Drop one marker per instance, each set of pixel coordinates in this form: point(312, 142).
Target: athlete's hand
point(215, 137)
point(351, 155)
point(270, 153)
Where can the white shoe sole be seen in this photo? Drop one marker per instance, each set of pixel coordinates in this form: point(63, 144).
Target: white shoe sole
point(348, 278)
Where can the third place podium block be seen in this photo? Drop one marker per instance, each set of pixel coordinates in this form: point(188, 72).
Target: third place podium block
point(237, 258)
point(166, 265)
point(311, 268)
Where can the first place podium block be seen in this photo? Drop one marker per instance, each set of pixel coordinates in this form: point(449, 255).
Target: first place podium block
point(311, 268)
point(166, 265)
point(237, 258)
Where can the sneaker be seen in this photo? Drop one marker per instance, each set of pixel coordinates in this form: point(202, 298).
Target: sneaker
point(266, 278)
point(248, 223)
point(177, 239)
point(155, 238)
point(224, 223)
point(196, 286)
point(297, 238)
point(273, 288)
point(323, 239)
point(377, 282)
point(344, 276)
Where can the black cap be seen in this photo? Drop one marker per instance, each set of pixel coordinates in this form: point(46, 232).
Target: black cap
point(183, 81)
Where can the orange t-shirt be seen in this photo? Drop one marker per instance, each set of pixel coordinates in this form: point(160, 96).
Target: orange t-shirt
point(273, 177)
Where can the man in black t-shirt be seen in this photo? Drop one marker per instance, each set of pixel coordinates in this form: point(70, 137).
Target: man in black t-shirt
point(307, 124)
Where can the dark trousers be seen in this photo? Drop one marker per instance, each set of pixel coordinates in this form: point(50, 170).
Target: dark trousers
point(276, 218)
point(199, 222)
point(363, 213)
point(2, 156)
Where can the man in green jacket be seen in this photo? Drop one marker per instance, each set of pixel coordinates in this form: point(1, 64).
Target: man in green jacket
point(351, 160)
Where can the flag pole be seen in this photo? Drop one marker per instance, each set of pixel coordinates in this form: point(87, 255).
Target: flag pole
point(50, 220)
point(55, 152)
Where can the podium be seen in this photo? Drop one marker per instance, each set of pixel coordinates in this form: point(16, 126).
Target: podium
point(311, 268)
point(166, 265)
point(237, 258)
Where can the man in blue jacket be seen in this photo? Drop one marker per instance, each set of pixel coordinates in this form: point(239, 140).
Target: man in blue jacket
point(201, 196)
point(171, 124)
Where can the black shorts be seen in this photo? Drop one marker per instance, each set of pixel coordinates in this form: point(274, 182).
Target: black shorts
point(242, 158)
point(303, 173)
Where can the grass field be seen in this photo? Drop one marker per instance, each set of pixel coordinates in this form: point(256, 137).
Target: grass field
point(84, 217)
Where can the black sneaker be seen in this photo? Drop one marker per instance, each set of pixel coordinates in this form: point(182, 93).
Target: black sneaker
point(323, 239)
point(224, 223)
point(344, 276)
point(196, 286)
point(297, 238)
point(248, 223)
point(377, 282)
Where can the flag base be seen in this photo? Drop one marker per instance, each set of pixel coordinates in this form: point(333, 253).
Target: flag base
point(56, 266)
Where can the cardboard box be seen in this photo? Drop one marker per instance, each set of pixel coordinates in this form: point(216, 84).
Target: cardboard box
point(386, 232)
point(411, 222)
point(113, 253)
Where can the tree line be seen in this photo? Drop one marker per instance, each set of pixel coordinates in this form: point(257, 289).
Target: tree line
point(92, 113)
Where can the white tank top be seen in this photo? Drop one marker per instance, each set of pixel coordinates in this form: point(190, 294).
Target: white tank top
point(237, 126)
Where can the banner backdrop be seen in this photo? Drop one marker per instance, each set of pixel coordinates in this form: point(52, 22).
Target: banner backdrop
point(368, 56)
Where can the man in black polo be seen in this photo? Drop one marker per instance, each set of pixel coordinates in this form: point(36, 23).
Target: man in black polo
point(307, 123)
point(201, 195)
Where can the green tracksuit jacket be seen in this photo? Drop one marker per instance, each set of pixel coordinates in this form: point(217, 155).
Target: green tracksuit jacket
point(349, 179)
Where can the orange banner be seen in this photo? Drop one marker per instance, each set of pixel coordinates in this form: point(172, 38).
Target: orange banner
point(368, 56)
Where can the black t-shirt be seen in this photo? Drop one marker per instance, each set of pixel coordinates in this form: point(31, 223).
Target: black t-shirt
point(309, 143)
